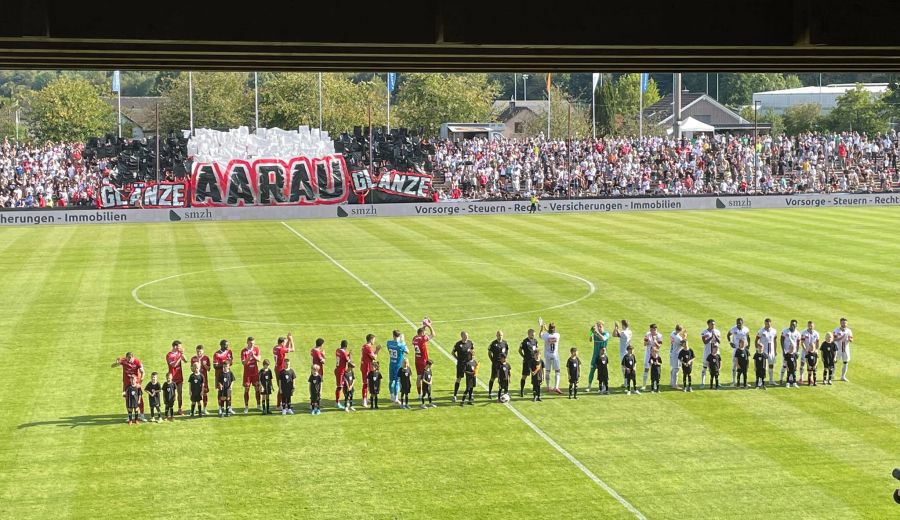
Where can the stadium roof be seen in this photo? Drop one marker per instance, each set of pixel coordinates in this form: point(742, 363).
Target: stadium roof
point(762, 35)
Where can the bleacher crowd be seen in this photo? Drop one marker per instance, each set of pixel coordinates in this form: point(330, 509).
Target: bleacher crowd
point(629, 166)
point(56, 175)
point(52, 175)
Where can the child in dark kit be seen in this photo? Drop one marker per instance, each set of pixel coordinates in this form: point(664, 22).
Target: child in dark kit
point(374, 384)
point(655, 369)
point(742, 358)
point(195, 385)
point(759, 364)
point(504, 374)
point(537, 376)
point(315, 390)
point(286, 383)
point(265, 385)
point(573, 366)
point(153, 390)
point(132, 395)
point(348, 384)
point(603, 371)
point(628, 363)
point(169, 391)
point(686, 358)
point(405, 375)
point(714, 362)
point(471, 371)
point(223, 384)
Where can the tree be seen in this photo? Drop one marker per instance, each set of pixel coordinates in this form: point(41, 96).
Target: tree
point(428, 100)
point(856, 111)
point(288, 100)
point(69, 109)
point(768, 117)
point(221, 100)
point(618, 105)
point(801, 118)
point(561, 125)
point(890, 102)
point(738, 89)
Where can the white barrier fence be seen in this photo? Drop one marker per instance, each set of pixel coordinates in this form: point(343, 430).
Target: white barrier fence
point(113, 216)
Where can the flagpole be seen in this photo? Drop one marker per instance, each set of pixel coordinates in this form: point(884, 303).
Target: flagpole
point(320, 101)
point(388, 105)
point(119, 103)
point(593, 114)
point(256, 99)
point(157, 141)
point(641, 106)
point(191, 99)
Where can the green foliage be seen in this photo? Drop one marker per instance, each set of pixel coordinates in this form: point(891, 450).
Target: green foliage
point(857, 111)
point(618, 105)
point(428, 100)
point(738, 89)
point(801, 118)
point(765, 117)
point(221, 100)
point(562, 125)
point(69, 109)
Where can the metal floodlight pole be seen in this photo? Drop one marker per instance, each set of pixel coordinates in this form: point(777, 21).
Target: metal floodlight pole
point(756, 138)
point(157, 141)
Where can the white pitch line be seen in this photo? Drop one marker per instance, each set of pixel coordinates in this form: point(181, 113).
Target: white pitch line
point(565, 453)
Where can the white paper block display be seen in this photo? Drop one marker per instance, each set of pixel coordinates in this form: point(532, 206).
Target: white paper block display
point(238, 143)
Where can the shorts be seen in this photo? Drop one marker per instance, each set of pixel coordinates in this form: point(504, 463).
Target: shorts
point(339, 378)
point(364, 372)
point(552, 362)
point(177, 376)
point(460, 371)
point(772, 357)
point(225, 394)
point(845, 354)
point(707, 350)
point(526, 368)
point(495, 371)
point(197, 395)
point(420, 367)
point(251, 378)
point(647, 360)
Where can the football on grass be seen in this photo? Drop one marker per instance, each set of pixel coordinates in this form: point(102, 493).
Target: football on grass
point(504, 398)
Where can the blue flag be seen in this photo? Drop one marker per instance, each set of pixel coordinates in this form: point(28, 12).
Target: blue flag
point(645, 80)
point(115, 81)
point(391, 81)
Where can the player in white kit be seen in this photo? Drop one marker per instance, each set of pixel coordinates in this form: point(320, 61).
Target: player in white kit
point(790, 339)
point(843, 337)
point(624, 336)
point(551, 354)
point(710, 336)
point(809, 339)
point(766, 339)
point(737, 334)
point(651, 339)
point(675, 339)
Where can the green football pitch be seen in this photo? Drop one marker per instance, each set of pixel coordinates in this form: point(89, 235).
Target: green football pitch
point(76, 297)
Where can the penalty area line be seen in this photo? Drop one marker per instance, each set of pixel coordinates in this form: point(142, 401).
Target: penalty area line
point(541, 433)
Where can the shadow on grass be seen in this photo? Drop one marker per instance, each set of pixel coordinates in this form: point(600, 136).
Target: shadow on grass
point(79, 420)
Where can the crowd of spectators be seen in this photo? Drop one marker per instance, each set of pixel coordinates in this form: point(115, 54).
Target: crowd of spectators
point(44, 176)
point(56, 175)
point(656, 166)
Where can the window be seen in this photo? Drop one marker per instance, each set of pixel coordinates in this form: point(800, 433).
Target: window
point(519, 128)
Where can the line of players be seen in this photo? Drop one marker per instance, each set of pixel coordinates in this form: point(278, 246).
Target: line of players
point(795, 345)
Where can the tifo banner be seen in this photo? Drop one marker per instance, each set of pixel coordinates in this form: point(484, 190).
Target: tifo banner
point(300, 181)
point(392, 186)
point(143, 195)
point(287, 212)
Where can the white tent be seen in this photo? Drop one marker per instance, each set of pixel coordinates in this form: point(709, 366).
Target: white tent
point(692, 125)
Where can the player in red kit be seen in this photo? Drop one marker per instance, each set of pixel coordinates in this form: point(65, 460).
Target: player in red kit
point(318, 355)
point(222, 357)
point(203, 361)
point(340, 368)
point(131, 367)
point(174, 358)
point(250, 359)
point(369, 354)
point(280, 351)
point(420, 345)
